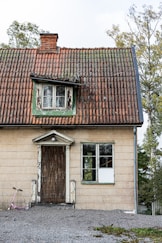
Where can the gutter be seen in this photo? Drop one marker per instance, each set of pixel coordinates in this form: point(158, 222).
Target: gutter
point(66, 126)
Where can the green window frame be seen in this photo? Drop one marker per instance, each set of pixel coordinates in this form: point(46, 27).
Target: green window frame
point(53, 100)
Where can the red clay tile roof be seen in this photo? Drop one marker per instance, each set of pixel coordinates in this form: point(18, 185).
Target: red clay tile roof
point(109, 93)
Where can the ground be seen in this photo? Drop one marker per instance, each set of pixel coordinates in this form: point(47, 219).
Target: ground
point(51, 224)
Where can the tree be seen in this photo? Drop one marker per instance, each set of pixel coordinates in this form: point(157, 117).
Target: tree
point(22, 35)
point(145, 193)
point(143, 167)
point(145, 34)
point(149, 185)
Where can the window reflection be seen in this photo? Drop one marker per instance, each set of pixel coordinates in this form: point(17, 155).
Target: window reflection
point(47, 96)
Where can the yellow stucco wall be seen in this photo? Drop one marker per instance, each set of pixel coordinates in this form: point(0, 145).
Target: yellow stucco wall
point(18, 166)
point(18, 163)
point(119, 195)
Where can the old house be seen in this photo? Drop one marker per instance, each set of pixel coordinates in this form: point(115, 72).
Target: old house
point(68, 122)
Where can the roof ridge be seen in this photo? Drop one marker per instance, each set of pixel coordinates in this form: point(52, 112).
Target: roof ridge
point(73, 48)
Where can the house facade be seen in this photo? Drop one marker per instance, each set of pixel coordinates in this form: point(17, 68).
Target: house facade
point(68, 125)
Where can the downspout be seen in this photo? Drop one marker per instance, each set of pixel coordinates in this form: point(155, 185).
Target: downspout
point(135, 169)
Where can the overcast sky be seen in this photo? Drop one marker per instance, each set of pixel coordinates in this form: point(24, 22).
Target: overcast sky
point(79, 23)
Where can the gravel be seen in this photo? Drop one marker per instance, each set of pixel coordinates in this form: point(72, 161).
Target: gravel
point(53, 224)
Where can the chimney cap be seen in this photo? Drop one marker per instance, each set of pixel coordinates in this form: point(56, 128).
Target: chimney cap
point(49, 34)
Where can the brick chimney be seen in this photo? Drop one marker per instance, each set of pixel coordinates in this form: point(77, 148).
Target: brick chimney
point(48, 42)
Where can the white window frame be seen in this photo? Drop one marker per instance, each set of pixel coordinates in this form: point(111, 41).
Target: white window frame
point(54, 97)
point(103, 175)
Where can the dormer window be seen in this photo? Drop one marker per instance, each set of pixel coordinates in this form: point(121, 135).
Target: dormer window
point(53, 97)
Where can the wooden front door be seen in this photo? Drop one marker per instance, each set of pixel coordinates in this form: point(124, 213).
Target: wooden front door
point(53, 174)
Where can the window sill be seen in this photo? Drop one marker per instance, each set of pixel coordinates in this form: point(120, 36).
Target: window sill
point(96, 183)
point(54, 112)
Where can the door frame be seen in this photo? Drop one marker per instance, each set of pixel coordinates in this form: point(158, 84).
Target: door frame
point(54, 138)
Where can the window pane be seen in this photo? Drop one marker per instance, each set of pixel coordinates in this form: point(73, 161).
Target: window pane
point(47, 96)
point(105, 149)
point(60, 91)
point(60, 101)
point(89, 149)
point(60, 96)
point(89, 175)
point(106, 162)
point(89, 162)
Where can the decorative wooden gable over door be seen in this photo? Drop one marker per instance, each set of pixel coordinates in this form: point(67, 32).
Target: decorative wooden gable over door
point(53, 167)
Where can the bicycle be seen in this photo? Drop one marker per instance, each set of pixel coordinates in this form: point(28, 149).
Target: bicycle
point(13, 205)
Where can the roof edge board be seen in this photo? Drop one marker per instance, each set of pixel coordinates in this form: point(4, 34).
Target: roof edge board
point(41, 79)
point(139, 101)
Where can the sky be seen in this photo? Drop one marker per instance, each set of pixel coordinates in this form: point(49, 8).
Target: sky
point(78, 23)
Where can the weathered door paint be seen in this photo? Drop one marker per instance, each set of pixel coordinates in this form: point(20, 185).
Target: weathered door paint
point(53, 174)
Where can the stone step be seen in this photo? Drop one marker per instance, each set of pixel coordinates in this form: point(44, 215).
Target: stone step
point(56, 205)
